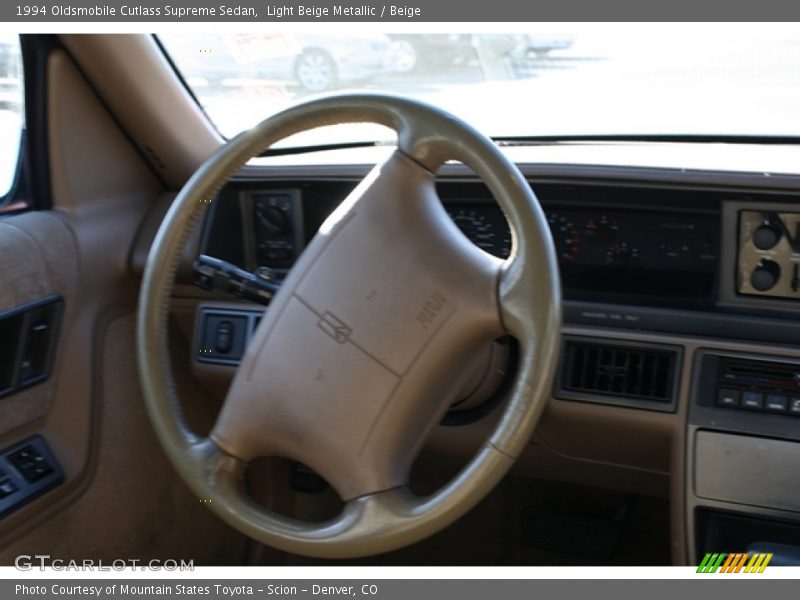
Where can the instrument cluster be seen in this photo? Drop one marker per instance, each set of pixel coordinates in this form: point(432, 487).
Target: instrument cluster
point(630, 239)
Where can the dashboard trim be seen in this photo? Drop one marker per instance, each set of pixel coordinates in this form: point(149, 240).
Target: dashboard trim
point(685, 322)
point(595, 174)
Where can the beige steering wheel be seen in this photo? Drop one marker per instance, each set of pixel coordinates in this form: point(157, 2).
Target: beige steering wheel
point(360, 353)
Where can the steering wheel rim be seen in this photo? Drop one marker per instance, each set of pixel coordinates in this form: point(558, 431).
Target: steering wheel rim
point(380, 514)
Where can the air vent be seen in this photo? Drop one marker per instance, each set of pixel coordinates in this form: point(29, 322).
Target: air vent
point(641, 376)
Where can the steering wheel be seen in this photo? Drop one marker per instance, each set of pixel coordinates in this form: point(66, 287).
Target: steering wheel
point(362, 350)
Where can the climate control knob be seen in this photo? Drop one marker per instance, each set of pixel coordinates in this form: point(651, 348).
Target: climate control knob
point(273, 221)
point(765, 275)
point(766, 236)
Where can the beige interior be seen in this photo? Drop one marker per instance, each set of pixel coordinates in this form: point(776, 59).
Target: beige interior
point(386, 365)
point(124, 137)
point(90, 409)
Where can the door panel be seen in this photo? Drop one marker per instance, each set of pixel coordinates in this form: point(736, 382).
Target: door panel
point(38, 257)
point(120, 497)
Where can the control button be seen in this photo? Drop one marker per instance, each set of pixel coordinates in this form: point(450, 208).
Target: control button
point(753, 400)
point(37, 472)
point(766, 275)
point(272, 221)
point(7, 488)
point(278, 255)
point(794, 406)
point(22, 456)
point(728, 398)
point(272, 244)
point(31, 465)
point(223, 341)
point(766, 236)
point(776, 403)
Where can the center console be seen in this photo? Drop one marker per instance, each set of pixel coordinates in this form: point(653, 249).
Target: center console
point(743, 452)
point(743, 437)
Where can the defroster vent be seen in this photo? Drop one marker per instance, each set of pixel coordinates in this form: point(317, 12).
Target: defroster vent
point(632, 375)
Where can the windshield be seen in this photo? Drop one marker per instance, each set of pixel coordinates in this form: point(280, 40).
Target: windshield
point(550, 80)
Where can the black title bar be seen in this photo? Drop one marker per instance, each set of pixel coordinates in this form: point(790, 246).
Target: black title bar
point(436, 11)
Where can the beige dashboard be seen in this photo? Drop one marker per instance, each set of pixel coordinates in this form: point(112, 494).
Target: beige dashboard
point(597, 437)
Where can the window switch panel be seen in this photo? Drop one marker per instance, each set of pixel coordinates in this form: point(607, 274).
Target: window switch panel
point(27, 470)
point(30, 463)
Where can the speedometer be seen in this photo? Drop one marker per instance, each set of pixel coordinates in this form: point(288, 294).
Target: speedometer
point(486, 228)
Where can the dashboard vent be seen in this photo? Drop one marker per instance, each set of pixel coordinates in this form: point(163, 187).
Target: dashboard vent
point(632, 374)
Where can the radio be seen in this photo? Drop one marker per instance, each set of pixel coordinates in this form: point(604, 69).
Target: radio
point(763, 386)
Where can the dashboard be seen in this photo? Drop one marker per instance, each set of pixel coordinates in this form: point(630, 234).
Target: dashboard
point(681, 327)
point(626, 252)
point(639, 247)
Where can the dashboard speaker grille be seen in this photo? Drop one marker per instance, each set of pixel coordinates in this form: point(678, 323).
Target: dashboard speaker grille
point(629, 372)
